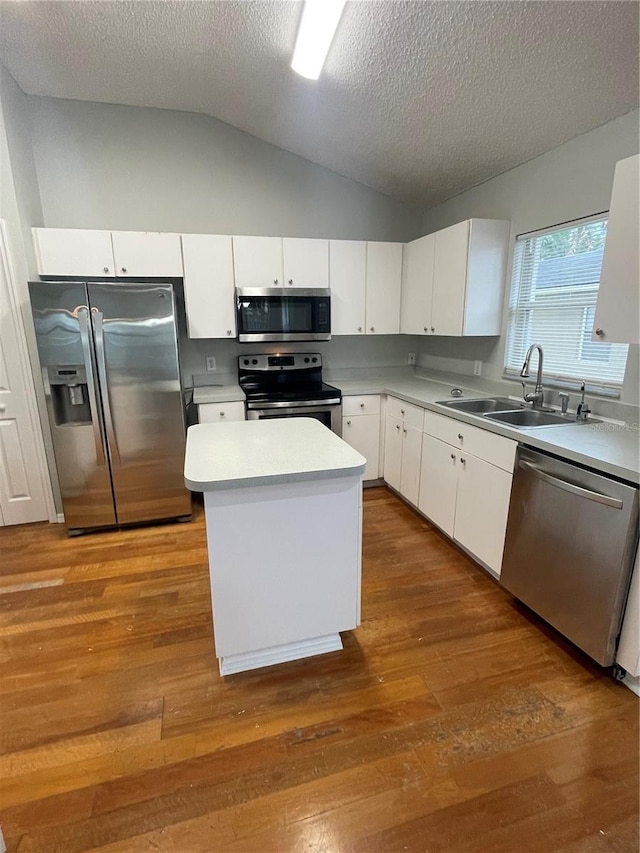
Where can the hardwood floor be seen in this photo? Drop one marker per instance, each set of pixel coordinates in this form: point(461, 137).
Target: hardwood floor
point(452, 721)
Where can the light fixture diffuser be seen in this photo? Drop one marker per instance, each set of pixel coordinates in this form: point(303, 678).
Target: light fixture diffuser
point(317, 27)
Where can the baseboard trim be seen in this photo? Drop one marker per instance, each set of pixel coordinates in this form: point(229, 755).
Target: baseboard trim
point(245, 661)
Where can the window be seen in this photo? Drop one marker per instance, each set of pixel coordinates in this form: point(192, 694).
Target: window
point(554, 287)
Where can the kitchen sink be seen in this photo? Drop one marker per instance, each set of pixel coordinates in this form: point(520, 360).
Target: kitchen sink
point(529, 418)
point(479, 407)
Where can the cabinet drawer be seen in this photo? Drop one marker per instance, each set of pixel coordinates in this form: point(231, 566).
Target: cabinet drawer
point(368, 404)
point(486, 445)
point(213, 413)
point(406, 412)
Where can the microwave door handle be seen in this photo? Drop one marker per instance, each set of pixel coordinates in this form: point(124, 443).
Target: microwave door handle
point(83, 323)
point(102, 375)
point(581, 492)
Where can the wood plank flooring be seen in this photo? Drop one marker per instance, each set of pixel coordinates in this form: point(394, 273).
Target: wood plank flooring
point(453, 720)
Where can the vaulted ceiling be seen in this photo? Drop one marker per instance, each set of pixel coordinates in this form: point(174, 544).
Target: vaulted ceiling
point(420, 100)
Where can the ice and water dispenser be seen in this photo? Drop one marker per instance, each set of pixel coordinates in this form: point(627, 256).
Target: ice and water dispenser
point(69, 394)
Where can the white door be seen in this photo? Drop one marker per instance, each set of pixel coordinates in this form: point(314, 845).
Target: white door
point(417, 286)
point(258, 261)
point(384, 281)
point(362, 432)
point(147, 253)
point(306, 262)
point(410, 471)
point(450, 279)
point(73, 251)
point(347, 269)
point(22, 491)
point(208, 285)
point(438, 482)
point(393, 451)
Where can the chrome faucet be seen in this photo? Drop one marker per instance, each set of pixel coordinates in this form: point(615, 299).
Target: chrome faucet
point(537, 398)
point(582, 410)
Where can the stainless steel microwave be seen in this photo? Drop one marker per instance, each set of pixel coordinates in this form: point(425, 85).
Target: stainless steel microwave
point(283, 314)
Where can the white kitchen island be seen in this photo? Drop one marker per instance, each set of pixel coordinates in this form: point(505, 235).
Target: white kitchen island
point(283, 510)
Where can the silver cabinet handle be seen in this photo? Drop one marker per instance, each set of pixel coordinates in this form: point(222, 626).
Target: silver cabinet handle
point(600, 333)
point(97, 318)
point(581, 492)
point(89, 369)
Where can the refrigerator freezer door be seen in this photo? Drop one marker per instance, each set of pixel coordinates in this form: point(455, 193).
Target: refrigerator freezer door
point(137, 358)
point(65, 348)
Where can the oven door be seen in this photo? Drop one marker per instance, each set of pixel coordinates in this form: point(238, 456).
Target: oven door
point(279, 314)
point(329, 415)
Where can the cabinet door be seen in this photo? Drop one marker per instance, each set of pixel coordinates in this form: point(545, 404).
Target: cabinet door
point(147, 253)
point(347, 269)
point(617, 310)
point(73, 251)
point(258, 261)
point(450, 279)
point(417, 286)
point(362, 432)
point(482, 507)
point(438, 482)
point(393, 452)
point(208, 285)
point(384, 277)
point(410, 468)
point(306, 262)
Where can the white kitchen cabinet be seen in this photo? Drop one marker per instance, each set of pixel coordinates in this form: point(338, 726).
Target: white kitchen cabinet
point(361, 429)
point(617, 311)
point(347, 277)
point(258, 261)
point(305, 262)
point(403, 447)
point(417, 286)
point(73, 251)
point(453, 280)
point(465, 485)
point(208, 285)
point(383, 287)
point(628, 654)
point(216, 413)
point(142, 254)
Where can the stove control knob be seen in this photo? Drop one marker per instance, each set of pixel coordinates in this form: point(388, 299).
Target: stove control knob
point(306, 361)
point(246, 361)
point(254, 361)
point(313, 360)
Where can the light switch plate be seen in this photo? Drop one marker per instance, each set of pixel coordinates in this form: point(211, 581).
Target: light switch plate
point(412, 358)
point(211, 362)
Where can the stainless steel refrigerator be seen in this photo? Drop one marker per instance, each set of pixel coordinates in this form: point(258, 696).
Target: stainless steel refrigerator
point(109, 358)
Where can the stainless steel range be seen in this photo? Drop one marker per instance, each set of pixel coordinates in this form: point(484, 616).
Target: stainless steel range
point(289, 386)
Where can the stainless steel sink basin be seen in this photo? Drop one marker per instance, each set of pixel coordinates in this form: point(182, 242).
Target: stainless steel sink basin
point(479, 407)
point(529, 418)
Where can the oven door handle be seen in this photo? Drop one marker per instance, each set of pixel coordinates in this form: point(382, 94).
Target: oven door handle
point(298, 404)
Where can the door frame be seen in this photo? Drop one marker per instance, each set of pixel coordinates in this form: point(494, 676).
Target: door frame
point(25, 367)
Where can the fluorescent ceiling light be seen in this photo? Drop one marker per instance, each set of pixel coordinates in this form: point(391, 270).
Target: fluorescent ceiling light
point(315, 34)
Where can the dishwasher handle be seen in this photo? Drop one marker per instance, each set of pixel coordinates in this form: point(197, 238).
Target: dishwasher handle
point(615, 503)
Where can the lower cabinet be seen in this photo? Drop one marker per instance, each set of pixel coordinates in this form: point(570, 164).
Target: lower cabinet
point(216, 413)
point(465, 485)
point(361, 429)
point(403, 448)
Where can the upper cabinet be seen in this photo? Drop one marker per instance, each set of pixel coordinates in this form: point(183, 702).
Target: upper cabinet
point(258, 261)
point(147, 253)
point(347, 273)
point(73, 251)
point(617, 309)
point(305, 262)
point(383, 285)
point(96, 254)
point(453, 280)
point(208, 285)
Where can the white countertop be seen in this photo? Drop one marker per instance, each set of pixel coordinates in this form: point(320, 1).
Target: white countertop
point(607, 447)
point(267, 452)
point(218, 394)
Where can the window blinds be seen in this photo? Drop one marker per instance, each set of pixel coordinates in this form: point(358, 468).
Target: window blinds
point(554, 288)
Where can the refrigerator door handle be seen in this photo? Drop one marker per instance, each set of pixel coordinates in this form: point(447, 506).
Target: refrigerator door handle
point(102, 375)
point(83, 323)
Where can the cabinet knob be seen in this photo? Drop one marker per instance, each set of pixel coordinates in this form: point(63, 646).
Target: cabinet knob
point(372, 329)
point(275, 281)
point(433, 328)
point(453, 456)
point(228, 331)
point(123, 269)
point(398, 427)
point(404, 431)
point(600, 333)
point(425, 329)
point(348, 423)
point(460, 436)
point(105, 269)
point(359, 328)
point(402, 411)
point(290, 281)
point(463, 460)
point(221, 414)
point(362, 405)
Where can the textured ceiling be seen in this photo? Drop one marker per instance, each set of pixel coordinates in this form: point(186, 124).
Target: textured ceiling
point(420, 99)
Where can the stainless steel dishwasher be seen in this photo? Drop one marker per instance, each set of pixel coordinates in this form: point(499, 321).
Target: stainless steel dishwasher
point(570, 540)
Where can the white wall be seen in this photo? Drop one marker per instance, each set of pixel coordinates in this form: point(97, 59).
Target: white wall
point(566, 183)
point(106, 166)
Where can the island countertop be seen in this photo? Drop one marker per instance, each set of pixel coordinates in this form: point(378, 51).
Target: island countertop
point(265, 452)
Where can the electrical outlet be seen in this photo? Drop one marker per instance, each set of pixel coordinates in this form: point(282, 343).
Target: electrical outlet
point(411, 358)
point(211, 362)
point(477, 368)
